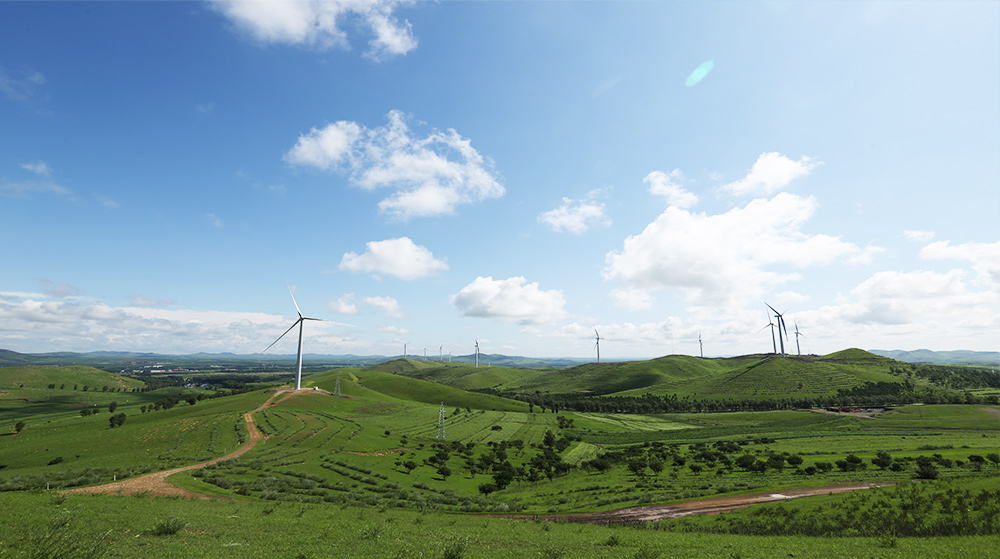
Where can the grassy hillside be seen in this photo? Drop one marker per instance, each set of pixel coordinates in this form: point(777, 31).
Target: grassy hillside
point(746, 377)
point(404, 388)
point(70, 376)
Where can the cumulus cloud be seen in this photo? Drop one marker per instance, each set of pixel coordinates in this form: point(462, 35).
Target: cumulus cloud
point(80, 325)
point(346, 304)
point(718, 259)
point(388, 305)
point(320, 23)
point(984, 257)
point(770, 173)
point(668, 186)
point(632, 299)
point(510, 300)
point(576, 216)
point(400, 257)
point(429, 175)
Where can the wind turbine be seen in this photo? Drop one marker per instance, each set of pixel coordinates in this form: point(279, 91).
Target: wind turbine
point(781, 327)
point(299, 322)
point(597, 344)
point(774, 344)
point(404, 349)
point(701, 347)
point(477, 354)
point(797, 334)
point(441, 353)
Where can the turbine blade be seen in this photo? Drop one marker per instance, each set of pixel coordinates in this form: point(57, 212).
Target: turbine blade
point(293, 300)
point(283, 335)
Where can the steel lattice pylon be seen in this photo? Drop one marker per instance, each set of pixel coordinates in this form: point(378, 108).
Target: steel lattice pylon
point(441, 436)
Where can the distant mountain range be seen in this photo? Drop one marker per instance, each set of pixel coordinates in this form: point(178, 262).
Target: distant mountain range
point(125, 359)
point(960, 357)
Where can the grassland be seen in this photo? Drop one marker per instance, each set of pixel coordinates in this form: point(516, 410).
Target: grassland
point(365, 475)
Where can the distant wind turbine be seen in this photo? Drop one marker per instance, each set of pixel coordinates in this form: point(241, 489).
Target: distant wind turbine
point(597, 344)
point(404, 349)
point(701, 347)
point(477, 354)
point(441, 353)
point(774, 343)
point(299, 323)
point(797, 334)
point(781, 328)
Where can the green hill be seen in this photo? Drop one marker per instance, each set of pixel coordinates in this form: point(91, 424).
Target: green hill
point(745, 377)
point(71, 376)
point(400, 387)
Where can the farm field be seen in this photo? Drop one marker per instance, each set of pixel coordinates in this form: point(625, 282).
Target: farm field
point(375, 466)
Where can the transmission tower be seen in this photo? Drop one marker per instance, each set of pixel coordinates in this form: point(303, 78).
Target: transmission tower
point(336, 389)
point(441, 434)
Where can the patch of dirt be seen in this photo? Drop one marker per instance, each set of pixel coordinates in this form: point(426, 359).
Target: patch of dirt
point(711, 505)
point(385, 452)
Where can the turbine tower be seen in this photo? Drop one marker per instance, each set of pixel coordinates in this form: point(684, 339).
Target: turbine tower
point(597, 344)
point(781, 327)
point(404, 349)
point(299, 323)
point(441, 353)
point(477, 354)
point(774, 343)
point(797, 334)
point(701, 347)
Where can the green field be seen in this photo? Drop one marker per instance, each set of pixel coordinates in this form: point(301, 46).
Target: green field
point(365, 474)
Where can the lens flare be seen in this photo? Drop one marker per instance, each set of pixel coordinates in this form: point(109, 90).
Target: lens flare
point(699, 73)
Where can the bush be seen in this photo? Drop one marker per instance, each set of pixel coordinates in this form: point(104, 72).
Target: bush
point(168, 527)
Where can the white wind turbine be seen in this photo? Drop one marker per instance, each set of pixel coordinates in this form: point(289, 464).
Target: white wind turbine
point(797, 334)
point(781, 327)
point(597, 344)
point(477, 354)
point(701, 347)
point(299, 322)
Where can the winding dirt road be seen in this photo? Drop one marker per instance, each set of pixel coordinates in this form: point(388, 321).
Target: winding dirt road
point(156, 483)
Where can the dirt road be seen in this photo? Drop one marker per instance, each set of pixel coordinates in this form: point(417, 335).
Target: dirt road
point(156, 482)
point(711, 505)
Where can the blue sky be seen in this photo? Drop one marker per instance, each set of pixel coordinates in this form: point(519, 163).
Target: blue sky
point(434, 173)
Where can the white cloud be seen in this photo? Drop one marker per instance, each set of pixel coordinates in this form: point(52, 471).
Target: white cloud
point(73, 325)
point(918, 236)
point(430, 175)
point(770, 173)
point(400, 257)
point(510, 300)
point(215, 221)
point(388, 305)
point(38, 167)
point(389, 329)
point(576, 216)
point(720, 259)
point(985, 257)
point(667, 185)
point(632, 299)
point(346, 305)
point(60, 290)
point(143, 301)
point(319, 23)
point(106, 202)
point(21, 87)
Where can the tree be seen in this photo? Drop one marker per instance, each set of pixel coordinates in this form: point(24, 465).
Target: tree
point(112, 407)
point(994, 457)
point(444, 472)
point(410, 465)
point(192, 399)
point(19, 426)
point(487, 488)
point(117, 420)
point(882, 459)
